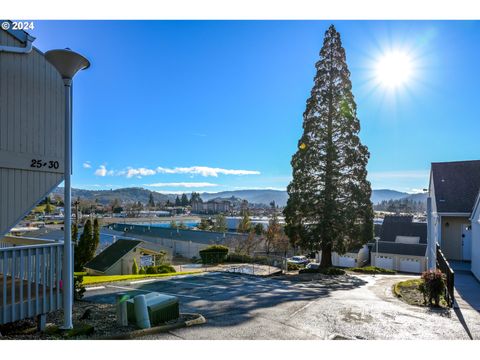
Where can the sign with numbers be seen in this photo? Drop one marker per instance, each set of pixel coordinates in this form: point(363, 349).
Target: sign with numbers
point(32, 116)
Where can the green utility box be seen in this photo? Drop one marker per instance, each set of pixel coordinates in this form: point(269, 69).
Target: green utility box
point(161, 308)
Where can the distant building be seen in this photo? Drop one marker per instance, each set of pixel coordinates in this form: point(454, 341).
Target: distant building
point(211, 207)
point(402, 245)
point(118, 258)
point(183, 242)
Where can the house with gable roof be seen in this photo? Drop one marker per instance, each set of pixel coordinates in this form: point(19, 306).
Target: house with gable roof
point(454, 188)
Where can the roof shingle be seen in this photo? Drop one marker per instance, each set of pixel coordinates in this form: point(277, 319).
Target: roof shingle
point(108, 257)
point(456, 185)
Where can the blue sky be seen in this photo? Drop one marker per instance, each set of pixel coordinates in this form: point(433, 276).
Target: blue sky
point(178, 106)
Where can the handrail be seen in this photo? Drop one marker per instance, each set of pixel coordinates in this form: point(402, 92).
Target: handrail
point(30, 281)
point(31, 246)
point(445, 267)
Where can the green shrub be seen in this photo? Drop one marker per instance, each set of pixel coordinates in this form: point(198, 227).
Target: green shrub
point(151, 270)
point(291, 266)
point(214, 254)
point(142, 271)
point(134, 267)
point(78, 286)
point(238, 258)
point(433, 286)
point(165, 268)
point(324, 271)
point(372, 270)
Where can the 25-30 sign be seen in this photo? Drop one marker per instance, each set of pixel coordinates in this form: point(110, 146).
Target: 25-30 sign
point(38, 163)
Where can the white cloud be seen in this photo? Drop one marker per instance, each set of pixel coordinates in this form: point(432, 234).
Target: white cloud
point(183, 184)
point(205, 171)
point(101, 171)
point(131, 172)
point(259, 188)
point(87, 165)
point(409, 174)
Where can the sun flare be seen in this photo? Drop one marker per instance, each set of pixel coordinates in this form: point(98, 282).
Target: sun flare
point(394, 69)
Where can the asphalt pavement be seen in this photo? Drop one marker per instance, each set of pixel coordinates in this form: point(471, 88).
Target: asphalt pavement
point(345, 307)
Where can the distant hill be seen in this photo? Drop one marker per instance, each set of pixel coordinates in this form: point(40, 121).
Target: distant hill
point(418, 197)
point(385, 194)
point(252, 196)
point(124, 195)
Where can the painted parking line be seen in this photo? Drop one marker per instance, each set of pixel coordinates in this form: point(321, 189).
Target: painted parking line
point(94, 288)
point(149, 291)
point(141, 281)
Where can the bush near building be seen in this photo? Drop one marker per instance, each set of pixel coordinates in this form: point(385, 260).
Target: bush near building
point(324, 271)
point(214, 254)
point(160, 269)
point(371, 270)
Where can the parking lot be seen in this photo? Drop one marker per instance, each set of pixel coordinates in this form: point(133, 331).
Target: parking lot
point(248, 307)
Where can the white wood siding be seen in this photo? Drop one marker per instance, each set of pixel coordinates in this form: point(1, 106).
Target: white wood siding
point(31, 127)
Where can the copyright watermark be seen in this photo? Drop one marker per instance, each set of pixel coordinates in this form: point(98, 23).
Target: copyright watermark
point(18, 25)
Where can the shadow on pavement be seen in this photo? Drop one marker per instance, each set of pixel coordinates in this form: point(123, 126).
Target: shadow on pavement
point(230, 299)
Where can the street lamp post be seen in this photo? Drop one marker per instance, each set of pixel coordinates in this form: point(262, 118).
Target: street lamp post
point(67, 63)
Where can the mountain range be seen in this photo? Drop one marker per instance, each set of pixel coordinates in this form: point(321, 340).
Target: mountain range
point(252, 196)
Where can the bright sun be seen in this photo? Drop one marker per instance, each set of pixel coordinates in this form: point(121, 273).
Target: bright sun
point(394, 69)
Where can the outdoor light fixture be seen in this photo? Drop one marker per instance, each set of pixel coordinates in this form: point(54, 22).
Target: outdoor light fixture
point(68, 63)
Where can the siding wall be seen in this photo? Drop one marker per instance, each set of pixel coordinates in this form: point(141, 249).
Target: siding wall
point(452, 236)
point(476, 243)
point(31, 127)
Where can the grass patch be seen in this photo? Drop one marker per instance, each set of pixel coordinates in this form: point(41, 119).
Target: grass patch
point(409, 291)
point(89, 280)
point(372, 270)
point(324, 271)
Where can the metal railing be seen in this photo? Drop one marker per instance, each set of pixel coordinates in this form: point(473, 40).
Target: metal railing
point(445, 268)
point(30, 281)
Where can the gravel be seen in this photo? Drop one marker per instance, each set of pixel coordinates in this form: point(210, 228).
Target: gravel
point(101, 316)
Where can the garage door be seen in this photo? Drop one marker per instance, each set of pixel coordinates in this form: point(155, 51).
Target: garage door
point(410, 265)
point(346, 261)
point(384, 262)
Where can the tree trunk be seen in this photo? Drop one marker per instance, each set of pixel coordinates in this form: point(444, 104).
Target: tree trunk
point(326, 261)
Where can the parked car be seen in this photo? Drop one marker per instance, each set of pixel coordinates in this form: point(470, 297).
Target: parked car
point(299, 260)
point(313, 266)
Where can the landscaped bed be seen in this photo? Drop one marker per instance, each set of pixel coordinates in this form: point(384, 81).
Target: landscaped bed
point(91, 280)
point(90, 321)
point(409, 292)
point(371, 270)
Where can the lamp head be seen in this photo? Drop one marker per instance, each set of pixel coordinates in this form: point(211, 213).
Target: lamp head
point(67, 62)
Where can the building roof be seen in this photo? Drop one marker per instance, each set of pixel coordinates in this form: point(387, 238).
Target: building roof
point(456, 185)
point(391, 230)
point(388, 247)
point(197, 236)
point(394, 226)
point(108, 257)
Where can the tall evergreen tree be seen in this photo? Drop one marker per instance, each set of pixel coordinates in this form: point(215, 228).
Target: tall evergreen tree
point(184, 200)
point(83, 248)
point(329, 206)
point(177, 201)
point(151, 202)
point(95, 238)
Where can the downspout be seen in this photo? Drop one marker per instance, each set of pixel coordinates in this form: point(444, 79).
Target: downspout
point(20, 50)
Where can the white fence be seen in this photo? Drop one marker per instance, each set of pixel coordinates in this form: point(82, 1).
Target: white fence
point(30, 281)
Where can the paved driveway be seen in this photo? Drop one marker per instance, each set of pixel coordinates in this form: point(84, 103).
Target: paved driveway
point(246, 307)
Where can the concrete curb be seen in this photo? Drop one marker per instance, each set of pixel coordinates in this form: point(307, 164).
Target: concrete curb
point(199, 319)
